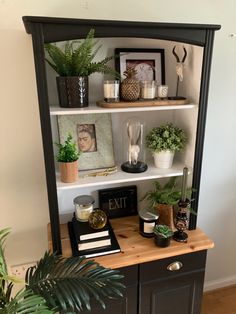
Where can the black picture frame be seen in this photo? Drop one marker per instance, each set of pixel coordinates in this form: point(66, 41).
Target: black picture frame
point(149, 62)
point(118, 202)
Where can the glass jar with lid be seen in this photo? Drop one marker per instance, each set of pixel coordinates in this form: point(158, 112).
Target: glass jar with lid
point(83, 207)
point(147, 221)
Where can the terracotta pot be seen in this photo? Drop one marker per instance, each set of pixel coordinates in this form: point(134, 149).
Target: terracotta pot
point(166, 215)
point(69, 171)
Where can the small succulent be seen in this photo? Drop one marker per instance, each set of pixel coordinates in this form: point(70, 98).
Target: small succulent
point(163, 231)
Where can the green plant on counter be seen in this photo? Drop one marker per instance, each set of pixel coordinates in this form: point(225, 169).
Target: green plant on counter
point(57, 284)
point(76, 59)
point(68, 151)
point(166, 137)
point(168, 194)
point(163, 231)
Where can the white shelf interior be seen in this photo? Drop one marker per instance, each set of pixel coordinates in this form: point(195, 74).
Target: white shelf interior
point(93, 108)
point(121, 177)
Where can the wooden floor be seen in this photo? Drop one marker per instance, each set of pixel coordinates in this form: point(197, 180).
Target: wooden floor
point(221, 301)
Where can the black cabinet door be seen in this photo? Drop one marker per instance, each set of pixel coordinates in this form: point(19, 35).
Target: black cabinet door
point(126, 305)
point(177, 295)
point(163, 290)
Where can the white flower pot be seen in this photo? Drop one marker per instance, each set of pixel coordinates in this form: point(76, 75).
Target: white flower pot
point(163, 159)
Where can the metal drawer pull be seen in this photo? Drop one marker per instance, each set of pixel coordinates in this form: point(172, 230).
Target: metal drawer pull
point(175, 266)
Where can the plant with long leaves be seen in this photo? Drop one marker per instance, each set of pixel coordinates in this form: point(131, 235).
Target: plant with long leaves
point(76, 58)
point(169, 194)
point(57, 284)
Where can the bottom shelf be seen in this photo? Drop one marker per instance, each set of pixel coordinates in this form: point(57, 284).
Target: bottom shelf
point(136, 249)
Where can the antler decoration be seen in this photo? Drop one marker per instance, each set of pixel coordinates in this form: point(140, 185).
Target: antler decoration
point(179, 66)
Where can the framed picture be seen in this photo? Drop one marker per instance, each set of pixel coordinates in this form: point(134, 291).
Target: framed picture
point(118, 202)
point(149, 63)
point(93, 135)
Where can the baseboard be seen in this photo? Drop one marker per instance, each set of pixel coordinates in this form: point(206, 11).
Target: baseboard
point(219, 283)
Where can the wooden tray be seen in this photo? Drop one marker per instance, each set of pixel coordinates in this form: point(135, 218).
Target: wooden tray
point(171, 101)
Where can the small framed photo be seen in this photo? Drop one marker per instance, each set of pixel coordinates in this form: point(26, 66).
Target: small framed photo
point(118, 202)
point(149, 63)
point(93, 135)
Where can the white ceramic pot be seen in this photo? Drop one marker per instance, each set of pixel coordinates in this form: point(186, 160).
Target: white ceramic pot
point(163, 159)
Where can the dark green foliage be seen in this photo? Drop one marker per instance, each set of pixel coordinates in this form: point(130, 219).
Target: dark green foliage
point(67, 152)
point(69, 284)
point(24, 302)
point(166, 137)
point(76, 59)
point(168, 194)
point(57, 284)
point(163, 231)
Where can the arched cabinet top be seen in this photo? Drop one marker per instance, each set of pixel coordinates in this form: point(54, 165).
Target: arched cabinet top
point(59, 29)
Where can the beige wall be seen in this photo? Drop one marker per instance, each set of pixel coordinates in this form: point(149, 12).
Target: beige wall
point(23, 199)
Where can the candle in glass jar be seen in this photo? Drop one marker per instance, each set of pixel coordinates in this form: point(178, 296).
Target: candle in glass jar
point(83, 207)
point(162, 91)
point(148, 89)
point(111, 91)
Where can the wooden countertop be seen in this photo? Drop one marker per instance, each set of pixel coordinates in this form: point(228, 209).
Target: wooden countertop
point(136, 249)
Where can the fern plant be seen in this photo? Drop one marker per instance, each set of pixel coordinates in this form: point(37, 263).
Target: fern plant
point(57, 284)
point(67, 152)
point(168, 194)
point(76, 58)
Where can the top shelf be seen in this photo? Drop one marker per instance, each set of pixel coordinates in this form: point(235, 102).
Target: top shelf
point(93, 108)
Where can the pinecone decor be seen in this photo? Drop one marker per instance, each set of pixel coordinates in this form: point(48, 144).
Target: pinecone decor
point(130, 88)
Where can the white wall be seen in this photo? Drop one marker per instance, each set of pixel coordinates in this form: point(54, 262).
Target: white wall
point(23, 190)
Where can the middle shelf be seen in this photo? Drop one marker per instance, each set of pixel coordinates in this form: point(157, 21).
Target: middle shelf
point(121, 177)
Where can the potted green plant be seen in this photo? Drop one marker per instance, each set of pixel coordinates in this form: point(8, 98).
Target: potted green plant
point(163, 142)
point(162, 235)
point(74, 63)
point(67, 157)
point(163, 198)
point(57, 285)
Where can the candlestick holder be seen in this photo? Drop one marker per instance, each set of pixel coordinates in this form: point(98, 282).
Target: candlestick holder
point(181, 221)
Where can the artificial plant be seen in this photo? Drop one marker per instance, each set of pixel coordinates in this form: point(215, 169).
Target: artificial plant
point(57, 284)
point(77, 57)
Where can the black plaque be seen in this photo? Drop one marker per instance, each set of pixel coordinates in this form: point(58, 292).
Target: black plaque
point(119, 202)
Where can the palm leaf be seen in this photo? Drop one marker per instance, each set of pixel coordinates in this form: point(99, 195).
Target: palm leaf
point(26, 302)
point(70, 284)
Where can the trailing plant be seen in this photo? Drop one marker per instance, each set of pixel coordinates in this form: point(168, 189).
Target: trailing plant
point(68, 151)
point(163, 231)
point(57, 284)
point(76, 58)
point(166, 137)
